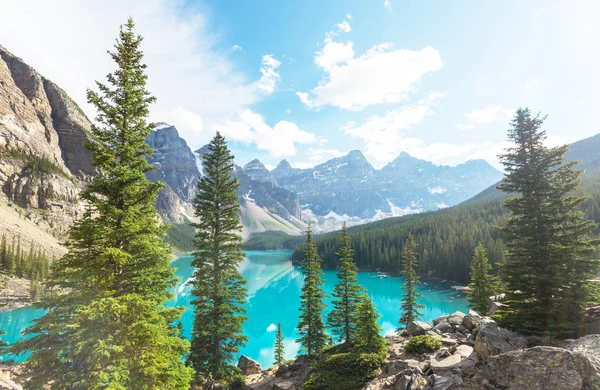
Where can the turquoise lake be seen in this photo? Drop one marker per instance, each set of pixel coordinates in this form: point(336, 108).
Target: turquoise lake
point(273, 296)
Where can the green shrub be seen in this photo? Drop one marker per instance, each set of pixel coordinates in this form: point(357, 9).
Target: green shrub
point(238, 382)
point(344, 371)
point(423, 344)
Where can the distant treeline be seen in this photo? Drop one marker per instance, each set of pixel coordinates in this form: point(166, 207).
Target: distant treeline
point(445, 239)
point(31, 264)
point(273, 240)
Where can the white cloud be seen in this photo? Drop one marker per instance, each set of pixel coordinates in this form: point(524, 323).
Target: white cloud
point(271, 328)
point(486, 115)
point(333, 53)
point(388, 5)
point(531, 86)
point(385, 136)
point(270, 76)
point(344, 26)
point(381, 75)
point(66, 41)
point(317, 156)
point(236, 48)
point(278, 140)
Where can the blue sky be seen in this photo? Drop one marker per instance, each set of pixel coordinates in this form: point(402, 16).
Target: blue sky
point(311, 80)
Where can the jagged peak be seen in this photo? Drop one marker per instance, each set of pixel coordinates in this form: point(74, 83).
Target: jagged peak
point(162, 125)
point(255, 164)
point(284, 164)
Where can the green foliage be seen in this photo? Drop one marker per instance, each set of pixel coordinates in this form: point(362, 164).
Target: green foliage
point(410, 305)
point(279, 347)
point(344, 371)
point(219, 289)
point(181, 236)
point(311, 329)
point(483, 285)
point(32, 265)
point(423, 344)
point(547, 238)
point(272, 240)
point(445, 239)
point(35, 165)
point(346, 294)
point(368, 337)
point(106, 323)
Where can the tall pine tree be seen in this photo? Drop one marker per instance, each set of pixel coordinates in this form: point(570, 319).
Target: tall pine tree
point(106, 325)
point(483, 285)
point(346, 293)
point(547, 239)
point(410, 305)
point(219, 289)
point(279, 347)
point(311, 328)
point(367, 329)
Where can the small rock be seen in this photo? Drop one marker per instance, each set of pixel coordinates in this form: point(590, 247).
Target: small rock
point(590, 347)
point(282, 369)
point(284, 385)
point(494, 307)
point(418, 328)
point(456, 318)
point(248, 366)
point(443, 327)
point(465, 351)
point(451, 382)
point(414, 381)
point(447, 341)
point(471, 320)
point(440, 319)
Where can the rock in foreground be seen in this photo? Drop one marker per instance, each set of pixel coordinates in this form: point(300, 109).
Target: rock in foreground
point(538, 368)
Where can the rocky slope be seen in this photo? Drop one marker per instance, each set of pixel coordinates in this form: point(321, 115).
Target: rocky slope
point(476, 354)
point(42, 161)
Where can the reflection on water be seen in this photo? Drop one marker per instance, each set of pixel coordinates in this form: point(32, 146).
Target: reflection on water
point(274, 286)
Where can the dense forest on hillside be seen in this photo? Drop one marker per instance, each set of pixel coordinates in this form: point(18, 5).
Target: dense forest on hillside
point(445, 239)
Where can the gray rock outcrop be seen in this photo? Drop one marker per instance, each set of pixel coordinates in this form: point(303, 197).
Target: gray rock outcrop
point(493, 340)
point(538, 368)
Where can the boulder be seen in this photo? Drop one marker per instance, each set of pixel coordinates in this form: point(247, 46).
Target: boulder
point(493, 340)
point(248, 366)
point(418, 328)
point(538, 368)
point(439, 319)
point(455, 319)
point(471, 320)
point(414, 381)
point(590, 347)
point(444, 364)
point(443, 327)
point(284, 385)
point(447, 382)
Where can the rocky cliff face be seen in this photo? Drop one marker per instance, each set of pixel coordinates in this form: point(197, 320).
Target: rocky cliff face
point(42, 161)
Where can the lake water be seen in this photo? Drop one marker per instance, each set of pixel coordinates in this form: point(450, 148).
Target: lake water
point(273, 296)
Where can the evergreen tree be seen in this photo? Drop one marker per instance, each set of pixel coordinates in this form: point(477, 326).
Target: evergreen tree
point(367, 329)
point(410, 305)
point(547, 238)
point(483, 285)
point(106, 322)
point(4, 254)
point(12, 263)
point(346, 293)
point(311, 328)
point(219, 289)
point(279, 347)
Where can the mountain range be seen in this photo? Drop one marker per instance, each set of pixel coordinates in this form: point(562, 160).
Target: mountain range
point(39, 122)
